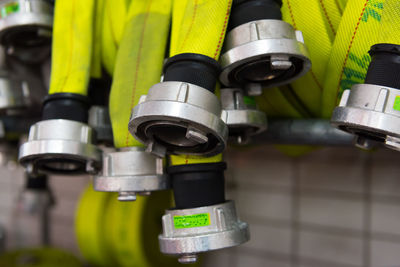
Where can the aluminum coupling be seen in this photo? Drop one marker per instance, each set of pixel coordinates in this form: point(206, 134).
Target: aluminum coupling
point(179, 118)
point(242, 116)
point(60, 146)
point(131, 171)
point(99, 121)
point(263, 54)
point(370, 112)
point(187, 232)
point(26, 24)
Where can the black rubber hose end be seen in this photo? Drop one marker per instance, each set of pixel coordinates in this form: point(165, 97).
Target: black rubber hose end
point(244, 11)
point(192, 68)
point(67, 106)
point(99, 91)
point(198, 185)
point(384, 68)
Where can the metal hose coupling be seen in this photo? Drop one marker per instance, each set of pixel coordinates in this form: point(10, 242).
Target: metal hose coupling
point(260, 50)
point(62, 142)
point(187, 232)
point(182, 115)
point(25, 28)
point(99, 115)
point(202, 220)
point(130, 171)
point(371, 111)
point(242, 116)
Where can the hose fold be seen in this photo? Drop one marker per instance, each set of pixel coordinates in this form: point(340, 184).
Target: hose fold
point(138, 63)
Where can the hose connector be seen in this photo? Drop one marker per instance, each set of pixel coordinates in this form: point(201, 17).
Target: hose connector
point(62, 142)
point(130, 171)
point(182, 115)
point(242, 116)
point(260, 50)
point(26, 28)
point(371, 111)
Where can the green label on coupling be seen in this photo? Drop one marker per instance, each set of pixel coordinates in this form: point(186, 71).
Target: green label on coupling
point(396, 105)
point(9, 9)
point(249, 101)
point(191, 221)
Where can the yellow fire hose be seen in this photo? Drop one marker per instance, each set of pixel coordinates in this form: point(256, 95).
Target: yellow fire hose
point(114, 233)
point(96, 64)
point(198, 26)
point(114, 19)
point(139, 63)
point(91, 213)
point(338, 35)
point(72, 46)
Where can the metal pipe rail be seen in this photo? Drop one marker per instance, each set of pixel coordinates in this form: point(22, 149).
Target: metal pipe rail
point(316, 132)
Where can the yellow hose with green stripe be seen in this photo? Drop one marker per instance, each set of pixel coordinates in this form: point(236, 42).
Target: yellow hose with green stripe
point(139, 63)
point(198, 26)
point(363, 24)
point(72, 46)
point(338, 34)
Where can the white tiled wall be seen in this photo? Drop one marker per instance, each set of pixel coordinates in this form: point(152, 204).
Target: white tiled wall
point(332, 207)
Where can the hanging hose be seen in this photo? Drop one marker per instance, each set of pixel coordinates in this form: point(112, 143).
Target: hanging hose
point(138, 63)
point(376, 22)
point(96, 65)
point(114, 19)
point(339, 35)
point(199, 26)
point(192, 22)
point(72, 46)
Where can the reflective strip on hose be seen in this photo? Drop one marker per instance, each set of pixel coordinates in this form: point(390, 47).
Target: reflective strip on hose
point(139, 63)
point(72, 46)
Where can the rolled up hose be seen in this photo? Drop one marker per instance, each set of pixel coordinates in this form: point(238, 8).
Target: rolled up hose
point(72, 46)
point(139, 62)
point(134, 229)
point(90, 230)
point(114, 233)
point(339, 34)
